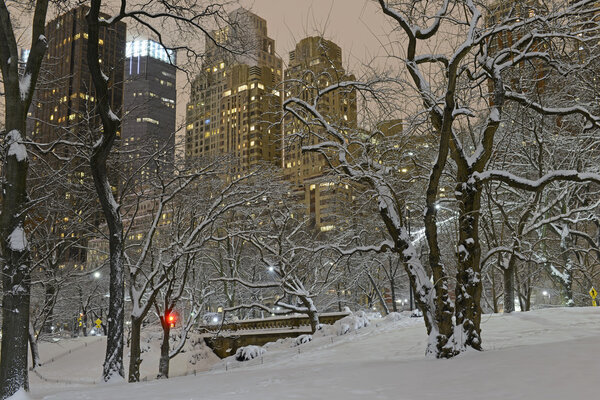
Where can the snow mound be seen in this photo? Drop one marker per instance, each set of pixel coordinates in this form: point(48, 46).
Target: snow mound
point(301, 340)
point(350, 323)
point(394, 316)
point(249, 352)
point(20, 395)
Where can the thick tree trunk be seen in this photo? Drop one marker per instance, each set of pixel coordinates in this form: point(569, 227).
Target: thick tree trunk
point(135, 353)
point(18, 90)
point(384, 306)
point(48, 310)
point(33, 345)
point(113, 362)
point(164, 361)
point(468, 276)
point(393, 294)
point(508, 273)
point(16, 275)
point(313, 314)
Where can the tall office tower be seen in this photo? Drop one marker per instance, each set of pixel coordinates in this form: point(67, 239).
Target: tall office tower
point(66, 94)
point(149, 100)
point(65, 100)
point(315, 64)
point(235, 103)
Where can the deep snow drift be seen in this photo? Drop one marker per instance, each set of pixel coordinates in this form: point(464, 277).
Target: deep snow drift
point(544, 354)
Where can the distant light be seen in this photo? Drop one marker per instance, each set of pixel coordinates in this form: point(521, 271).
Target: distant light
point(277, 308)
point(142, 48)
point(271, 269)
point(97, 274)
point(437, 206)
point(25, 55)
point(215, 319)
point(545, 293)
point(398, 301)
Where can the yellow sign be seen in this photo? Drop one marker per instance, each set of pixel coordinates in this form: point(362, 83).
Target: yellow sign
point(594, 303)
point(593, 293)
point(98, 323)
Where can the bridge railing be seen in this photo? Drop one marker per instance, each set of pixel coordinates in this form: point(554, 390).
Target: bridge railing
point(277, 322)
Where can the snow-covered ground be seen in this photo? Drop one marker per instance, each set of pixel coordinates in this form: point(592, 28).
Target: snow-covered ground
point(544, 354)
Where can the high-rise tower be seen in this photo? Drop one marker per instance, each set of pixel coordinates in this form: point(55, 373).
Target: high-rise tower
point(149, 102)
point(64, 109)
point(315, 64)
point(235, 103)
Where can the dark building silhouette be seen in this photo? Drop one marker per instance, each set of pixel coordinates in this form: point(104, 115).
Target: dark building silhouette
point(149, 106)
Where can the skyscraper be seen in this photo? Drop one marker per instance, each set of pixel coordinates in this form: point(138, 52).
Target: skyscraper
point(149, 102)
point(235, 103)
point(315, 64)
point(65, 95)
point(64, 109)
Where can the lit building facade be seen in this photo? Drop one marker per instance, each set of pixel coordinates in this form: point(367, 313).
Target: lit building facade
point(235, 102)
point(64, 106)
point(315, 64)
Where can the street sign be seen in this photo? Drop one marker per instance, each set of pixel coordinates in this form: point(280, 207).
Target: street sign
point(593, 293)
point(98, 323)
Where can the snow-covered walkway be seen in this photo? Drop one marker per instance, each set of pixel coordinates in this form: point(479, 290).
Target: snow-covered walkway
point(545, 354)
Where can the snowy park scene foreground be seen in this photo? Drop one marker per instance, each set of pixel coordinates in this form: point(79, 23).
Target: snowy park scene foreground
point(299, 199)
point(544, 354)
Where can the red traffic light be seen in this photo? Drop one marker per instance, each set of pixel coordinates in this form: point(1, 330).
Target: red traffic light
point(171, 319)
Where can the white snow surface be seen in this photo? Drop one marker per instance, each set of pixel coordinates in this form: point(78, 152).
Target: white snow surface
point(544, 354)
point(15, 146)
point(20, 395)
point(17, 240)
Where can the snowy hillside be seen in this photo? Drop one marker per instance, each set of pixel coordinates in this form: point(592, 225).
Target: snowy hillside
point(544, 354)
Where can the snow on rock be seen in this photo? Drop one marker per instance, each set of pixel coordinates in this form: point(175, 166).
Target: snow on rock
point(301, 340)
point(20, 395)
point(17, 240)
point(249, 352)
point(351, 323)
point(15, 146)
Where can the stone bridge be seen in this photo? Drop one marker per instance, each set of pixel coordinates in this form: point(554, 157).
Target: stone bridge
point(225, 339)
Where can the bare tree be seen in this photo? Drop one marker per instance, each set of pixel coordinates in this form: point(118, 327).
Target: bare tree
point(19, 85)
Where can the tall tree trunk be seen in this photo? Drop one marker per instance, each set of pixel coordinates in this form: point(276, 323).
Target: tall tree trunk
point(386, 310)
point(508, 273)
point(48, 310)
point(164, 361)
point(135, 353)
point(113, 362)
point(468, 276)
point(313, 314)
point(494, 296)
point(33, 345)
point(393, 294)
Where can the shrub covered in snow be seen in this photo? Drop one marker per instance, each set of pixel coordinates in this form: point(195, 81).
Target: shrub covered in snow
point(249, 352)
point(394, 316)
point(302, 339)
point(352, 322)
